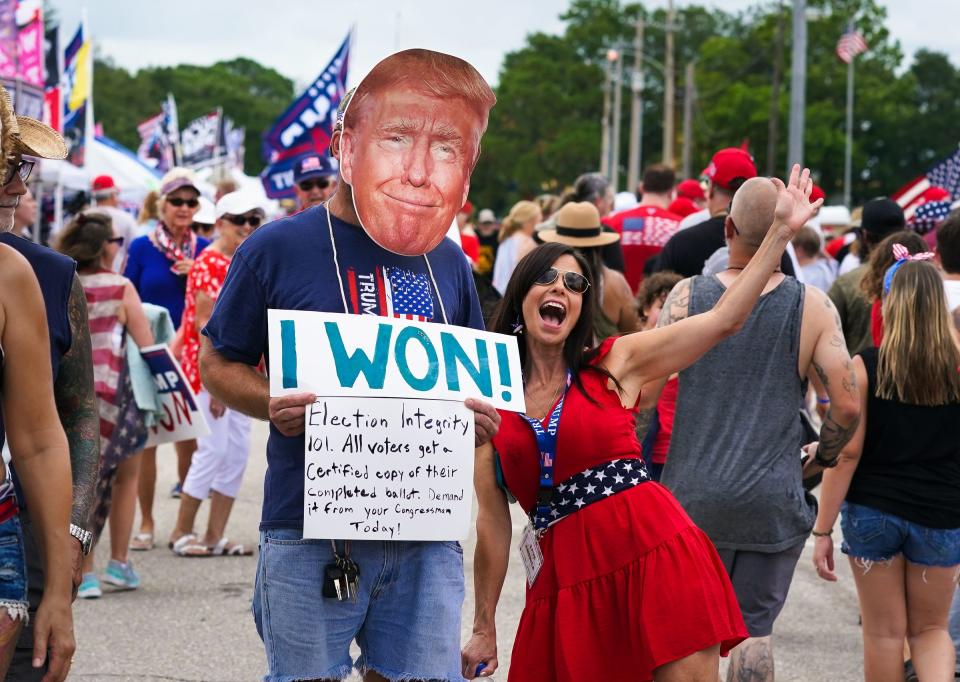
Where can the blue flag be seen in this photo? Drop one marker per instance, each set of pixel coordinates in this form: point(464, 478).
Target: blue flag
point(306, 126)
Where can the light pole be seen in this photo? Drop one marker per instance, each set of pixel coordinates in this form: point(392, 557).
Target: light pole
point(798, 84)
point(617, 108)
point(636, 111)
point(668, 94)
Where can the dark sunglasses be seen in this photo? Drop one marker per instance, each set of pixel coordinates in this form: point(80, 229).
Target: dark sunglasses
point(319, 183)
point(116, 240)
point(573, 281)
point(177, 202)
point(241, 220)
point(24, 168)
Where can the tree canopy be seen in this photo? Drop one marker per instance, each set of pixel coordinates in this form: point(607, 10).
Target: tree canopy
point(546, 127)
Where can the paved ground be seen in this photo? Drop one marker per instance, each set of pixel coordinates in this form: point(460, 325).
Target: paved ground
point(191, 619)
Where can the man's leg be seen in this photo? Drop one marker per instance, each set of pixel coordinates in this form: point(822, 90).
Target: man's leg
point(761, 582)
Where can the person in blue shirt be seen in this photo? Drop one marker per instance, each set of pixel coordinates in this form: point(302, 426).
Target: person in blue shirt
point(406, 618)
point(157, 264)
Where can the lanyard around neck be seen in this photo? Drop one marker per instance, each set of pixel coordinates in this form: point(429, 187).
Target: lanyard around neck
point(547, 445)
point(343, 291)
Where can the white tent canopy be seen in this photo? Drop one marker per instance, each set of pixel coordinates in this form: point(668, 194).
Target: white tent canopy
point(247, 184)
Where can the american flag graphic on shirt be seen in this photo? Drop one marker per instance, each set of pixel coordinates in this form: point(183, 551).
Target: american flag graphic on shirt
point(391, 292)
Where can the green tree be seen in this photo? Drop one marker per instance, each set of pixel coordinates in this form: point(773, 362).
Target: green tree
point(251, 94)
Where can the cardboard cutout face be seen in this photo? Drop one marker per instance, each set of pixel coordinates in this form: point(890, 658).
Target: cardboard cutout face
point(407, 154)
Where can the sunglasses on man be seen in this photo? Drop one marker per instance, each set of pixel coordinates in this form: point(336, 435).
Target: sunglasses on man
point(319, 183)
point(574, 282)
point(177, 202)
point(241, 220)
point(24, 168)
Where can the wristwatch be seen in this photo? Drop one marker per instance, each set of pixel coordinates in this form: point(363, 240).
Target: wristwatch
point(84, 536)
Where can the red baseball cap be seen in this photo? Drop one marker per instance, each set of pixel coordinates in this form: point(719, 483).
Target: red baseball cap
point(102, 183)
point(682, 206)
point(690, 189)
point(729, 164)
point(817, 193)
point(467, 208)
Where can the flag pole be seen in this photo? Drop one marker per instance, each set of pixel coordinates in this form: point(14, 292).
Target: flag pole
point(848, 155)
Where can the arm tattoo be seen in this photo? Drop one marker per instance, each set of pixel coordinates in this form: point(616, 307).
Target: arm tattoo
point(677, 305)
point(77, 407)
point(822, 374)
point(833, 436)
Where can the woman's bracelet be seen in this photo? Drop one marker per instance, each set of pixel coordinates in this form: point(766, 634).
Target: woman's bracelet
point(823, 401)
point(818, 534)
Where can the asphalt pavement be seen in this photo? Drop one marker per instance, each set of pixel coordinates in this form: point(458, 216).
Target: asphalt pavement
point(190, 620)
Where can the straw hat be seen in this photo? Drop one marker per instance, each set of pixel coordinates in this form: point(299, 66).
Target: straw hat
point(578, 224)
point(25, 135)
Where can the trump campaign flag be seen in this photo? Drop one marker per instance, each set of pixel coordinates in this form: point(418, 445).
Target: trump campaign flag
point(306, 126)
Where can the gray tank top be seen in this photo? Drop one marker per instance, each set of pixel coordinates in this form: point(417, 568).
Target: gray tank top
point(734, 459)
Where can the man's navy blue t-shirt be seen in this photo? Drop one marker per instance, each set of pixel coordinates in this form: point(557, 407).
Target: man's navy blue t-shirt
point(289, 264)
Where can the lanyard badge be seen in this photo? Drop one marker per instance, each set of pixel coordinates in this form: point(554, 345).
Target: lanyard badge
point(547, 447)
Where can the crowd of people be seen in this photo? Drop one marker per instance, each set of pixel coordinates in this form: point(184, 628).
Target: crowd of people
point(696, 355)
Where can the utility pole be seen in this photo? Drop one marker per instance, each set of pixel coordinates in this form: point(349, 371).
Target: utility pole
point(689, 95)
point(605, 124)
point(617, 109)
point(798, 84)
point(636, 110)
point(773, 125)
point(668, 96)
point(848, 151)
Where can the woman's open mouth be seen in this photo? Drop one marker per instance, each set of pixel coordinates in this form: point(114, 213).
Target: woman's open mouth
point(553, 313)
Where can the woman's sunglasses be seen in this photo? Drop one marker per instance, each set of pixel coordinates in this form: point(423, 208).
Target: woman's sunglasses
point(241, 220)
point(24, 168)
point(177, 202)
point(573, 281)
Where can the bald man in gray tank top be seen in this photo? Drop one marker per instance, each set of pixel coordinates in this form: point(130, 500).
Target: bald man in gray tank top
point(734, 460)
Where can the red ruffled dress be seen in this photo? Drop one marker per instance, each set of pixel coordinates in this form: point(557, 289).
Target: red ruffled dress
point(628, 583)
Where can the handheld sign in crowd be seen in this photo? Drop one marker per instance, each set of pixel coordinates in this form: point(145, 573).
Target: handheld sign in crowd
point(181, 417)
point(389, 443)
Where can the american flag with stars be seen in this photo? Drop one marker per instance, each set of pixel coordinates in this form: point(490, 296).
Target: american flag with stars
point(850, 45)
point(408, 294)
point(940, 183)
point(592, 485)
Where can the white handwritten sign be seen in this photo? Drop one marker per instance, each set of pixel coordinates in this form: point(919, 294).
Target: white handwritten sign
point(388, 469)
point(334, 354)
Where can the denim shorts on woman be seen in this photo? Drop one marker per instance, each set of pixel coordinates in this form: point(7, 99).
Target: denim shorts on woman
point(13, 569)
point(873, 535)
point(406, 618)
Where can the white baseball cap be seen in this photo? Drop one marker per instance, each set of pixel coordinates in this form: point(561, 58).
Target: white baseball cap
point(236, 203)
point(205, 215)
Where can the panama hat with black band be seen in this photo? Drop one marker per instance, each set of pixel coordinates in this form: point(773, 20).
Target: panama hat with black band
point(578, 225)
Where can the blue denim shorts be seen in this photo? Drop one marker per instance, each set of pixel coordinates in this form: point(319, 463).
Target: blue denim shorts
point(873, 535)
point(406, 619)
point(13, 569)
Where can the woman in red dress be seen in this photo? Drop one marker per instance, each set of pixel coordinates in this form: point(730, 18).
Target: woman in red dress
point(621, 584)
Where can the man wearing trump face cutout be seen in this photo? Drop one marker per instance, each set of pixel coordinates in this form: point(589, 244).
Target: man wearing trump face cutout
point(410, 138)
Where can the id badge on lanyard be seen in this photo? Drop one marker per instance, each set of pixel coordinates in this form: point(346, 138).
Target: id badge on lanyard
point(540, 518)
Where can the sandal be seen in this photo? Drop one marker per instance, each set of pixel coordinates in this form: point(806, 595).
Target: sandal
point(225, 548)
point(188, 546)
point(141, 542)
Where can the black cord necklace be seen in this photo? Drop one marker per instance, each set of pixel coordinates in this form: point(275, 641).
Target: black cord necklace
point(731, 267)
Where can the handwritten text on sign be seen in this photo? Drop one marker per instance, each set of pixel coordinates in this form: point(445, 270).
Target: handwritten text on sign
point(388, 469)
point(365, 355)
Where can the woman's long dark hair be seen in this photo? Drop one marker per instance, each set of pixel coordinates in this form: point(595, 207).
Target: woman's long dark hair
point(577, 350)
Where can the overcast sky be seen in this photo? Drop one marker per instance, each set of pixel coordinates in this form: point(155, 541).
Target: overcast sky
point(297, 37)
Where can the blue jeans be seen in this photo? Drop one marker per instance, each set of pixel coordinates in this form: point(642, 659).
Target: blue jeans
point(13, 569)
point(873, 535)
point(406, 619)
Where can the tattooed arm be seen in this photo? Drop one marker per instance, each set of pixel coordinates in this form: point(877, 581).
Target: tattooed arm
point(77, 408)
point(834, 370)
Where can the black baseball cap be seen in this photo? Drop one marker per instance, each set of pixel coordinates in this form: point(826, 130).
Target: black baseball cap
point(881, 217)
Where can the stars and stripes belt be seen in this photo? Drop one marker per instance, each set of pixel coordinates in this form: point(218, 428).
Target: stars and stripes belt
point(592, 485)
point(8, 501)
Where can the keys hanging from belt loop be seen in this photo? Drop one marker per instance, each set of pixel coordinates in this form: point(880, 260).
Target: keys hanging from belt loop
point(351, 573)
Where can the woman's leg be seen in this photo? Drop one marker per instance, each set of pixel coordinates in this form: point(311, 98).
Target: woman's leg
point(9, 634)
point(185, 450)
point(229, 476)
point(929, 593)
point(703, 666)
point(881, 588)
point(124, 506)
point(147, 483)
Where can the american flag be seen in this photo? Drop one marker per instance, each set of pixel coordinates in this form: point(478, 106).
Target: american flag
point(941, 182)
point(850, 45)
point(408, 295)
